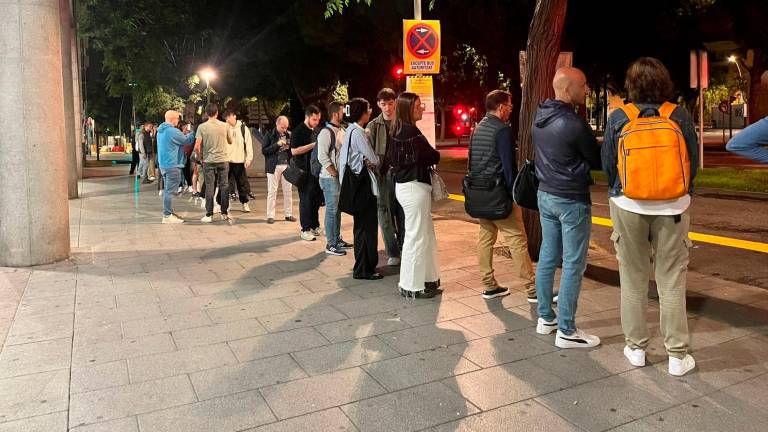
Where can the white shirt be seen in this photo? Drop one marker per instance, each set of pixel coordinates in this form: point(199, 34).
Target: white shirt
point(654, 207)
point(358, 140)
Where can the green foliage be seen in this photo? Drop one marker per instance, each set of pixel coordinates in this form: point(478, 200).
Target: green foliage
point(337, 6)
point(340, 93)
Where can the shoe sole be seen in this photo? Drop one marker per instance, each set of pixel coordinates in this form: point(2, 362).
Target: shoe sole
point(334, 253)
point(565, 344)
point(490, 296)
point(544, 329)
point(536, 300)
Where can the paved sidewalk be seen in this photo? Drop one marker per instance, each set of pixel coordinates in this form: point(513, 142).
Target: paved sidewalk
point(210, 327)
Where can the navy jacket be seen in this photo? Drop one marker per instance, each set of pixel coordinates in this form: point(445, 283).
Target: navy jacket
point(566, 150)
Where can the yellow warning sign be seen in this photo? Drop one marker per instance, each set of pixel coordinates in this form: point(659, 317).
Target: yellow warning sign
point(421, 46)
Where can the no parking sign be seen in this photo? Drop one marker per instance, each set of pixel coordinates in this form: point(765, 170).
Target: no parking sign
point(421, 47)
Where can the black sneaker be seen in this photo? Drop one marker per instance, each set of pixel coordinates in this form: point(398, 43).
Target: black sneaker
point(344, 245)
point(497, 292)
point(334, 250)
point(418, 294)
point(433, 287)
point(290, 219)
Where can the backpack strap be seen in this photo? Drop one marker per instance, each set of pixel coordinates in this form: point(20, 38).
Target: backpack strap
point(631, 110)
point(666, 109)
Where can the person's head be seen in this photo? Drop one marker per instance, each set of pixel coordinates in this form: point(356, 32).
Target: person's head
point(148, 126)
point(181, 125)
point(359, 111)
point(570, 85)
point(311, 116)
point(499, 103)
point(212, 110)
point(281, 124)
point(172, 117)
point(230, 116)
point(385, 100)
point(335, 112)
point(408, 110)
point(648, 81)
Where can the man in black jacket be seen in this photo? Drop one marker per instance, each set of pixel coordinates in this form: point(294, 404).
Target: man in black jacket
point(565, 150)
point(276, 149)
point(302, 142)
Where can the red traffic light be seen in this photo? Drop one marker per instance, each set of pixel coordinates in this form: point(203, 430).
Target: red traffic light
point(458, 129)
point(397, 72)
point(458, 110)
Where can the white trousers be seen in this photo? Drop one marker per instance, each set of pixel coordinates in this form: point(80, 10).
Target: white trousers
point(273, 180)
point(418, 261)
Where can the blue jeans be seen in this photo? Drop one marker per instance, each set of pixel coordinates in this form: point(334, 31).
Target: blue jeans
point(565, 230)
point(751, 141)
point(171, 181)
point(331, 188)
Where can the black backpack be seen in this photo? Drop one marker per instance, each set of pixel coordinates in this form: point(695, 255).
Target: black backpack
point(314, 162)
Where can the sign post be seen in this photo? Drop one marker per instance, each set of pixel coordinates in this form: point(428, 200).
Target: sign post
point(700, 78)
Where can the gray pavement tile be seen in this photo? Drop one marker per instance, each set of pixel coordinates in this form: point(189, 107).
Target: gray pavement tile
point(216, 286)
point(714, 413)
point(50, 289)
point(444, 310)
point(271, 292)
point(502, 385)
point(125, 401)
point(302, 318)
point(173, 363)
point(40, 328)
point(166, 292)
point(323, 421)
point(525, 416)
point(320, 392)
point(377, 305)
point(121, 349)
point(580, 366)
point(281, 278)
point(31, 307)
point(165, 324)
point(128, 424)
point(55, 422)
point(706, 331)
point(503, 348)
point(409, 410)
point(278, 343)
point(35, 357)
point(752, 393)
point(648, 424)
point(496, 322)
point(343, 355)
point(603, 404)
point(247, 310)
point(137, 298)
point(477, 302)
point(324, 298)
point(218, 333)
point(96, 316)
point(33, 395)
point(427, 337)
point(96, 377)
point(360, 288)
point(99, 334)
point(419, 368)
point(227, 414)
point(245, 376)
point(199, 303)
point(356, 328)
point(84, 302)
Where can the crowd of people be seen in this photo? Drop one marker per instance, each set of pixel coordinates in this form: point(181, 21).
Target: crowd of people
point(380, 170)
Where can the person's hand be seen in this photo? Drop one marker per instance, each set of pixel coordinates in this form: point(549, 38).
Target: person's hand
point(370, 165)
point(247, 164)
point(332, 171)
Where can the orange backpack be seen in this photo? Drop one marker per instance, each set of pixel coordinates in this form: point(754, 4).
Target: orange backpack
point(653, 158)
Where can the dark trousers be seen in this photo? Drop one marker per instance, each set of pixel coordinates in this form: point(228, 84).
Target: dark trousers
point(216, 173)
point(366, 241)
point(238, 177)
point(310, 196)
point(187, 172)
point(134, 161)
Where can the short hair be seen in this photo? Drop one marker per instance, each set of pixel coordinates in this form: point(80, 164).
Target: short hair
point(311, 110)
point(648, 81)
point(496, 98)
point(357, 108)
point(229, 112)
point(386, 94)
point(334, 107)
point(211, 109)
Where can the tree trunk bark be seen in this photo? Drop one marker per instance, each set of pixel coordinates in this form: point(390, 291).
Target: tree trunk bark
point(758, 89)
point(542, 52)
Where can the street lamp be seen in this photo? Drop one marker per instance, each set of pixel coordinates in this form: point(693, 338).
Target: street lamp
point(207, 74)
point(734, 59)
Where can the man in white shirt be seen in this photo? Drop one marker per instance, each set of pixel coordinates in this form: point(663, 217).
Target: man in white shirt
point(241, 155)
point(328, 147)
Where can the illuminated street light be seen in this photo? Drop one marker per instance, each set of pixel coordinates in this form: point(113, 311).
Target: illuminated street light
point(207, 74)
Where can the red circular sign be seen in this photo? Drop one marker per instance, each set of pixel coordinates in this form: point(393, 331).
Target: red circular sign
point(422, 41)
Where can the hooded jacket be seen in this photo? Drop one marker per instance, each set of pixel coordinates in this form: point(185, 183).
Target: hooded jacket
point(565, 149)
point(170, 146)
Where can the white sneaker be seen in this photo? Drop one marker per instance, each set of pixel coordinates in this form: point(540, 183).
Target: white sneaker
point(206, 219)
point(316, 231)
point(181, 189)
point(544, 327)
point(152, 178)
point(307, 235)
point(246, 208)
point(190, 189)
point(160, 192)
point(678, 367)
point(394, 261)
point(578, 339)
point(172, 219)
point(226, 217)
point(554, 299)
point(636, 357)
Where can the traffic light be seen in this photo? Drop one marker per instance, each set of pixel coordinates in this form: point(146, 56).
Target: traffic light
point(397, 72)
point(458, 129)
point(458, 111)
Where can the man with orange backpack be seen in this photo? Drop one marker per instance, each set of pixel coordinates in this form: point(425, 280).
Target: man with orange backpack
point(650, 154)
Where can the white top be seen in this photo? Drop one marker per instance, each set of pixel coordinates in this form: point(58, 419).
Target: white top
point(654, 207)
point(358, 140)
point(242, 146)
point(324, 149)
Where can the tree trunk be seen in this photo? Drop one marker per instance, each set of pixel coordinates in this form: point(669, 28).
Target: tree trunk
point(541, 59)
point(758, 89)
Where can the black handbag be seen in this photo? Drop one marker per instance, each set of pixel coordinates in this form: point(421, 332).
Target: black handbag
point(293, 174)
point(526, 187)
point(486, 198)
point(355, 195)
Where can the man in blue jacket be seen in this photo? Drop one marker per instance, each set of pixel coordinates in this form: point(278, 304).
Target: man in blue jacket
point(170, 148)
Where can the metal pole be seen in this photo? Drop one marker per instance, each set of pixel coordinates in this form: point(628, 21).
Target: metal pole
point(208, 88)
point(417, 9)
point(699, 57)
